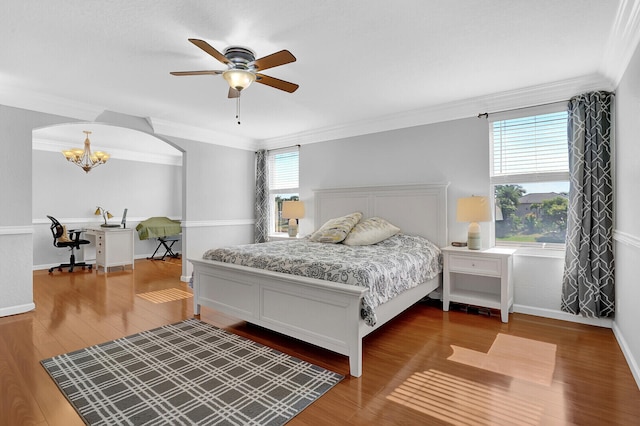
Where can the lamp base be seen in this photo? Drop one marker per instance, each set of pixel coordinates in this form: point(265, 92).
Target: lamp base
point(109, 225)
point(474, 242)
point(293, 228)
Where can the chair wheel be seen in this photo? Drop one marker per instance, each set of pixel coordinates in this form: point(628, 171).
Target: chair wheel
point(51, 270)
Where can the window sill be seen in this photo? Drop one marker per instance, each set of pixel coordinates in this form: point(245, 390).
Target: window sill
point(557, 252)
point(282, 237)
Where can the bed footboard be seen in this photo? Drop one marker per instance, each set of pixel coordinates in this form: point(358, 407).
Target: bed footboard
point(315, 311)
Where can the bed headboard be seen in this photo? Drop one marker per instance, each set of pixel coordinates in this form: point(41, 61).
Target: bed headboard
point(415, 209)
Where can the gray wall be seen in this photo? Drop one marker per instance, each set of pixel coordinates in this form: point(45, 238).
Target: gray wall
point(217, 190)
point(454, 151)
point(219, 194)
point(70, 195)
point(627, 205)
point(16, 248)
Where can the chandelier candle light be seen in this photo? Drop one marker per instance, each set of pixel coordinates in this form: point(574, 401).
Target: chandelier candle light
point(84, 158)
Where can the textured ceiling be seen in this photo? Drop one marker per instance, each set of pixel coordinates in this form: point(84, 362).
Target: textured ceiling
point(361, 65)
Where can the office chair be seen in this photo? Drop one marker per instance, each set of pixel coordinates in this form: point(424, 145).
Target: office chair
point(73, 242)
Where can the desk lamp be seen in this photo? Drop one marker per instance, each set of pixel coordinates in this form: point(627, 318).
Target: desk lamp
point(106, 215)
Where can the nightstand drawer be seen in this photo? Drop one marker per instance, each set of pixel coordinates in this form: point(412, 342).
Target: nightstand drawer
point(475, 265)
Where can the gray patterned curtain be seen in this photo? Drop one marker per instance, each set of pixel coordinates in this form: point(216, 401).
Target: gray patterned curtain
point(262, 197)
point(588, 281)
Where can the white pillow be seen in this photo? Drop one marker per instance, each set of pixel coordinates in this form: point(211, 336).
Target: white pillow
point(335, 230)
point(370, 231)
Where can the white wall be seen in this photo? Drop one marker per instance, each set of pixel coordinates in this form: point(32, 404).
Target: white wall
point(627, 205)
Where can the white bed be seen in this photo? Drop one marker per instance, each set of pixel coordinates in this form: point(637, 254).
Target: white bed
point(319, 312)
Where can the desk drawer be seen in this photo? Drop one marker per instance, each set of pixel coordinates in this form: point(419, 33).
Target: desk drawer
point(475, 265)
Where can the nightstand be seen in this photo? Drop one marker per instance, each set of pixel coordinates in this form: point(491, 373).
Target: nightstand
point(479, 277)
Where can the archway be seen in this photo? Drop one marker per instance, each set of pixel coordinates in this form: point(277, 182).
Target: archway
point(145, 174)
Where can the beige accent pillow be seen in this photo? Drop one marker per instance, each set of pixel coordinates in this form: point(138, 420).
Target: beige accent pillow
point(335, 230)
point(64, 238)
point(370, 231)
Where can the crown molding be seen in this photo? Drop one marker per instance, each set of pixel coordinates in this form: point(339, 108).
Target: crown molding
point(623, 40)
point(521, 98)
point(628, 29)
point(183, 131)
point(19, 97)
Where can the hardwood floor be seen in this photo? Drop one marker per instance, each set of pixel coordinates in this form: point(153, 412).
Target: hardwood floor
point(539, 371)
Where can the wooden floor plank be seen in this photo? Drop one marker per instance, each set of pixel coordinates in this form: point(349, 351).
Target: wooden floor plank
point(407, 378)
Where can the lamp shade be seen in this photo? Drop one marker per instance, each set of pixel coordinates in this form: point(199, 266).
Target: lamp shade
point(473, 209)
point(292, 209)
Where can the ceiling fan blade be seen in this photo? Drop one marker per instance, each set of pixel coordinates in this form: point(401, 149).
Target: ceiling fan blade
point(206, 72)
point(233, 93)
point(276, 82)
point(274, 60)
point(210, 50)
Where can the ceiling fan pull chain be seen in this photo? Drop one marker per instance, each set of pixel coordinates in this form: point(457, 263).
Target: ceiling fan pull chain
point(238, 108)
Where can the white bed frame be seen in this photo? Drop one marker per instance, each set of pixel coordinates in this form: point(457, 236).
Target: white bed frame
point(319, 312)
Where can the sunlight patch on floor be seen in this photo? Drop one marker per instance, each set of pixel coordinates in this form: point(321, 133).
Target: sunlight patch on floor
point(463, 402)
point(167, 295)
point(513, 356)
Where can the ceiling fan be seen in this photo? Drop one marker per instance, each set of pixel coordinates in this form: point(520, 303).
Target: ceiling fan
point(243, 68)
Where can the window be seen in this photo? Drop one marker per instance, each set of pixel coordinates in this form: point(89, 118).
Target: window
point(530, 176)
point(283, 184)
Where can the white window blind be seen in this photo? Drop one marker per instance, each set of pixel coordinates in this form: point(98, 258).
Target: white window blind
point(534, 147)
point(283, 170)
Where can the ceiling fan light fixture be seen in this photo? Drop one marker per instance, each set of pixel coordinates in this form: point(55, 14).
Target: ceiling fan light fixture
point(239, 79)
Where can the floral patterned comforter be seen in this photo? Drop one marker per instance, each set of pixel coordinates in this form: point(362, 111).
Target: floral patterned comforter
point(386, 269)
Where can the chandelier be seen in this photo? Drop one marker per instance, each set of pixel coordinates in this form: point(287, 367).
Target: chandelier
point(84, 158)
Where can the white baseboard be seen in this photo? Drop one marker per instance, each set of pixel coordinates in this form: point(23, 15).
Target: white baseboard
point(600, 322)
point(633, 365)
point(92, 261)
point(564, 316)
point(18, 309)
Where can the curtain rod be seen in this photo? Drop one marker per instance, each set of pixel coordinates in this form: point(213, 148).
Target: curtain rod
point(486, 114)
point(284, 147)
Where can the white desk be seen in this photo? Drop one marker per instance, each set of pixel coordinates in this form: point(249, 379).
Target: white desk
point(114, 247)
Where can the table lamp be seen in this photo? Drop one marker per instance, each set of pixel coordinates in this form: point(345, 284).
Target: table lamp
point(293, 210)
point(473, 210)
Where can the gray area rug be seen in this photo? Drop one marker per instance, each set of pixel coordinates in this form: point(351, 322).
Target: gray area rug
point(189, 373)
